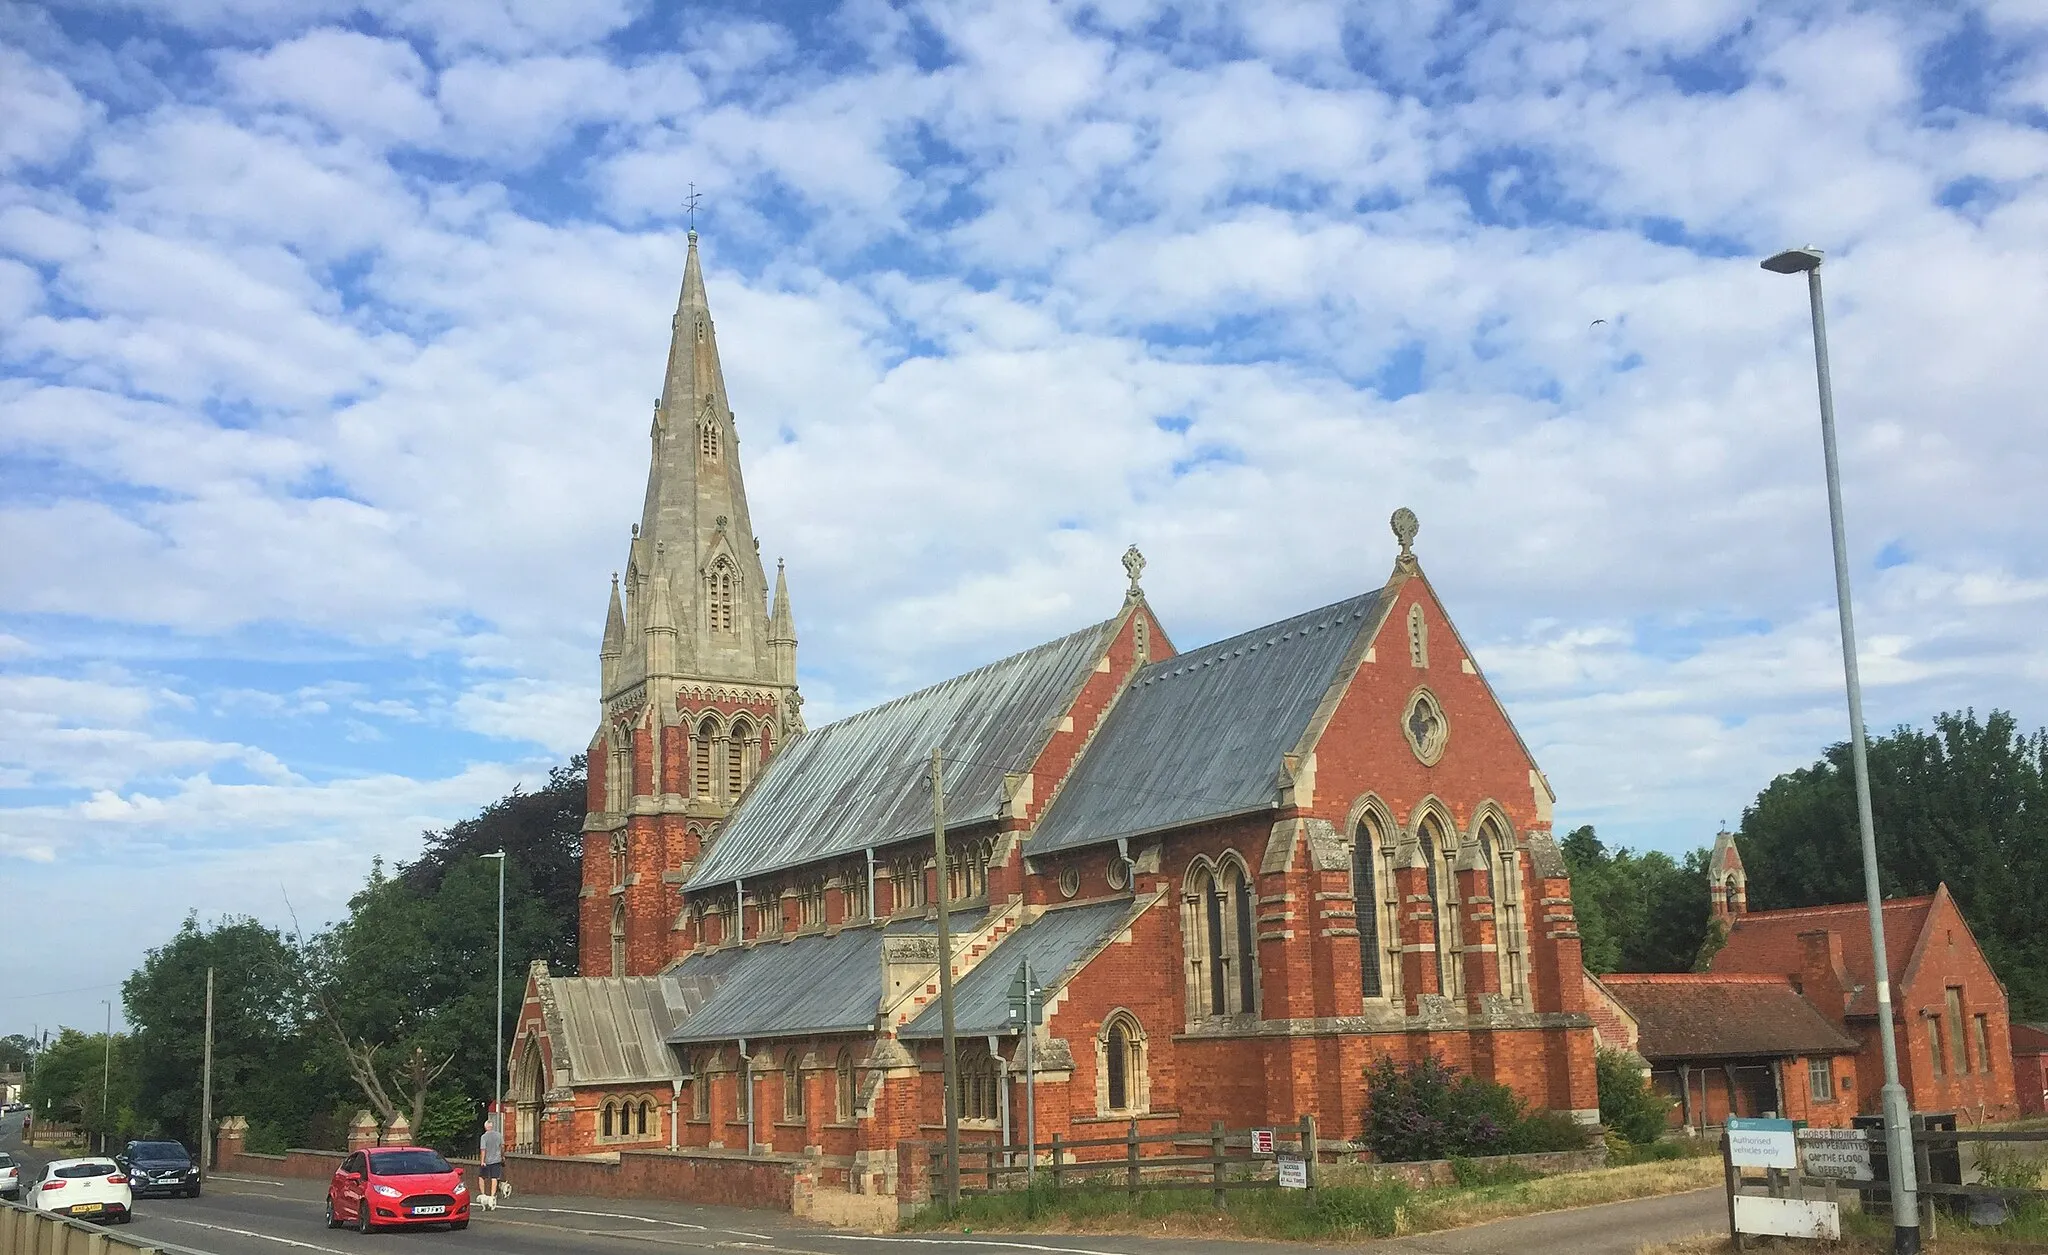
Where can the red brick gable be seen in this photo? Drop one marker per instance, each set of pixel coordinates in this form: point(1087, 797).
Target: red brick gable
point(2030, 1039)
point(1768, 942)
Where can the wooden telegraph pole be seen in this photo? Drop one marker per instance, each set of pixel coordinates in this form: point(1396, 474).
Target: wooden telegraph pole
point(206, 1091)
point(946, 987)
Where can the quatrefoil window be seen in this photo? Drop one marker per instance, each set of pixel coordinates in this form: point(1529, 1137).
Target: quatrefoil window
point(1425, 727)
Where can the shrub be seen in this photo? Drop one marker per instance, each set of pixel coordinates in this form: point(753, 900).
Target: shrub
point(1428, 1110)
point(1374, 1210)
point(1627, 1103)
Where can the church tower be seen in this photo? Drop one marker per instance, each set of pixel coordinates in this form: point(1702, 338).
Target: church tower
point(1727, 882)
point(698, 675)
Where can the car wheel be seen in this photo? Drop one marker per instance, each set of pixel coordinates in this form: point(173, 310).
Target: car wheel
point(333, 1221)
point(363, 1216)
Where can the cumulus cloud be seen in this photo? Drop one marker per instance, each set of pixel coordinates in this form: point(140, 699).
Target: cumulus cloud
point(327, 352)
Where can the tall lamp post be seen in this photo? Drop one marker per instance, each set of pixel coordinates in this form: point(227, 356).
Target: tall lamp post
point(1897, 1111)
point(106, 1071)
point(498, 1026)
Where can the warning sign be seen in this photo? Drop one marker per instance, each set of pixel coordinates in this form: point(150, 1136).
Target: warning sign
point(1262, 1141)
point(1838, 1154)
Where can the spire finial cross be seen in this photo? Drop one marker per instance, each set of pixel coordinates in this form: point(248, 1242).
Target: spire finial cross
point(690, 204)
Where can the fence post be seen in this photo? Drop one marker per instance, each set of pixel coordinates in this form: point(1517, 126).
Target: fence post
point(1131, 1158)
point(1056, 1139)
point(1732, 1179)
point(1923, 1165)
point(1308, 1152)
point(1216, 1159)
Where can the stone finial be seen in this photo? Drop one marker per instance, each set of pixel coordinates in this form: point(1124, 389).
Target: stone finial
point(1405, 525)
point(1134, 566)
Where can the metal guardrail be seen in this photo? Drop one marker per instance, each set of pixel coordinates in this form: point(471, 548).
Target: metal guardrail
point(26, 1231)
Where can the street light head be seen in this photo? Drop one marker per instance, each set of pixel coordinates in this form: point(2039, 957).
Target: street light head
point(1794, 261)
point(493, 854)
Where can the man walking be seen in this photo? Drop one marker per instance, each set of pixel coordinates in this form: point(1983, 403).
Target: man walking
point(492, 1152)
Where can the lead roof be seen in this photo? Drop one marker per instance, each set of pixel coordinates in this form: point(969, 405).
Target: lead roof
point(1058, 943)
point(1200, 735)
point(862, 782)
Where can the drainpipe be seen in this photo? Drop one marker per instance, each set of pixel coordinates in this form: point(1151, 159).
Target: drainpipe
point(747, 1090)
point(871, 884)
point(739, 912)
point(675, 1094)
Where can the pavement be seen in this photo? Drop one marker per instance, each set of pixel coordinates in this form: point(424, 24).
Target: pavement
point(255, 1216)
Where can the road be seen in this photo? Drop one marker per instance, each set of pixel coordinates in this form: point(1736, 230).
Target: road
point(248, 1216)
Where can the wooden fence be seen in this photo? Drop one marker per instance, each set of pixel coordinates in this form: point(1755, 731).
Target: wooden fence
point(1221, 1160)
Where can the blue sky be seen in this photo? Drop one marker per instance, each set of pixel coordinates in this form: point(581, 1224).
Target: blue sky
point(329, 332)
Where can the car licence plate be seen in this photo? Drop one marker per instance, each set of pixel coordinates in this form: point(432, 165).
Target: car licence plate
point(85, 1209)
point(429, 1211)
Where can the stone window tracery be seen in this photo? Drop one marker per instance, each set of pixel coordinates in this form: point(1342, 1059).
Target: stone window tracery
point(980, 1090)
point(1504, 869)
point(906, 883)
point(739, 757)
point(1219, 937)
point(702, 748)
point(1426, 728)
point(722, 590)
point(810, 904)
point(700, 1088)
point(618, 936)
point(967, 868)
point(708, 440)
point(619, 849)
point(1372, 878)
point(842, 1088)
point(1440, 858)
point(793, 1085)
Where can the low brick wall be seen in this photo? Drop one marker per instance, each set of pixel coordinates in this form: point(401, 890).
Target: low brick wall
point(774, 1183)
point(309, 1165)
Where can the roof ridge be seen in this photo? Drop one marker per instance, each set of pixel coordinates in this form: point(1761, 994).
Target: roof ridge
point(1922, 899)
point(1230, 647)
point(1690, 978)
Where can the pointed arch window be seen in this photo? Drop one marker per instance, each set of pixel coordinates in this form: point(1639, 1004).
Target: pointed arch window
point(1368, 848)
point(739, 757)
point(1504, 869)
point(700, 1088)
point(618, 936)
point(1122, 1085)
point(702, 747)
point(708, 440)
point(619, 850)
point(842, 1086)
point(793, 1086)
point(980, 1092)
point(721, 587)
point(1440, 857)
point(1219, 940)
point(607, 1126)
point(642, 1116)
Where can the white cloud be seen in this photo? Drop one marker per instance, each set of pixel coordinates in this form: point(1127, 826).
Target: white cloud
point(45, 114)
point(356, 83)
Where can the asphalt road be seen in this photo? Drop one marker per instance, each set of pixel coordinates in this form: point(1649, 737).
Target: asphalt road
point(249, 1216)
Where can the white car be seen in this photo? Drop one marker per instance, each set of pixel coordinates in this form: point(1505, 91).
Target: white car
point(87, 1189)
point(10, 1176)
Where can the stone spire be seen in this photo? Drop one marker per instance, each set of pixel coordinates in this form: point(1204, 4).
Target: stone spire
point(1727, 881)
point(614, 645)
point(782, 630)
point(695, 516)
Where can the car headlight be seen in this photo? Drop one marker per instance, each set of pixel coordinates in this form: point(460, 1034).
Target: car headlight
point(386, 1191)
point(461, 1187)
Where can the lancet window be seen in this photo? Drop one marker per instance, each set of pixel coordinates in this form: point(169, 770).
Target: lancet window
point(1378, 905)
point(1219, 939)
point(721, 590)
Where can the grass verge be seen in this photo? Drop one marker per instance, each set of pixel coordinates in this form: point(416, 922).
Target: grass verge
point(1348, 1206)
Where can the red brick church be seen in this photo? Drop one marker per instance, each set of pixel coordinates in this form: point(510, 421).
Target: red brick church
point(1240, 872)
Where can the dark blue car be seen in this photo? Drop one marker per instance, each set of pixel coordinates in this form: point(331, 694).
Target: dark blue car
point(159, 1168)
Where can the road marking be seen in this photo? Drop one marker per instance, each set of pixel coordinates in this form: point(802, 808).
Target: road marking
point(249, 1233)
point(615, 1215)
point(269, 1185)
point(991, 1242)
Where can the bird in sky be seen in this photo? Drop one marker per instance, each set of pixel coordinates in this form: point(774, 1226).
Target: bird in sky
point(1598, 321)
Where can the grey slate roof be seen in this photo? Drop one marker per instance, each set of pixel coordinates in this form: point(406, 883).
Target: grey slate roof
point(1054, 942)
point(862, 781)
point(1199, 736)
point(810, 984)
point(616, 1029)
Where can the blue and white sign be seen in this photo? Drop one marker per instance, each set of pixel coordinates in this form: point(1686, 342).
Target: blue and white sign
point(1754, 1143)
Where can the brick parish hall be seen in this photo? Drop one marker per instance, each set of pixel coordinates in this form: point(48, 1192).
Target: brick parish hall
point(1241, 872)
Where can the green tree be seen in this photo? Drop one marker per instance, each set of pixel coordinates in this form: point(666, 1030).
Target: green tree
point(1636, 912)
point(74, 1074)
point(1627, 1103)
point(1965, 803)
point(16, 1050)
point(265, 1066)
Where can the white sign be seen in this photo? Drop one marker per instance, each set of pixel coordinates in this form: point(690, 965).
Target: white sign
point(1787, 1217)
point(1293, 1173)
point(1839, 1154)
point(1262, 1141)
point(1761, 1144)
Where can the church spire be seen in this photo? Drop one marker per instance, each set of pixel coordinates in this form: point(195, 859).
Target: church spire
point(614, 644)
point(782, 631)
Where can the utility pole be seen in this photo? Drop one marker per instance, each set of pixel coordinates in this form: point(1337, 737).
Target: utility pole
point(206, 1090)
point(946, 987)
point(497, 1119)
point(1030, 1087)
point(106, 1071)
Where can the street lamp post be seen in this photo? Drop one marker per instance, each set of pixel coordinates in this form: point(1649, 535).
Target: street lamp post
point(1897, 1111)
point(498, 1027)
point(106, 1071)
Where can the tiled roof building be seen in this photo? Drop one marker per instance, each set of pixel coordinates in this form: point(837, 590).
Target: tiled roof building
point(1240, 872)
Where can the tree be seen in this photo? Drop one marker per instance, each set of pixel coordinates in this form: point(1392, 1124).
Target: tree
point(1965, 804)
point(1636, 912)
point(16, 1052)
point(262, 1065)
point(71, 1076)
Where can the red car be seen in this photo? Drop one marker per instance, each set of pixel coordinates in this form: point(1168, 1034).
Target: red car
point(394, 1186)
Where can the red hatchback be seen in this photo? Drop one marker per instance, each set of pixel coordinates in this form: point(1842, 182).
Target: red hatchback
point(392, 1186)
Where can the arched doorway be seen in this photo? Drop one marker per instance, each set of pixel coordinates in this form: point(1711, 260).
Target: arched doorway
point(525, 1101)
